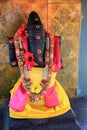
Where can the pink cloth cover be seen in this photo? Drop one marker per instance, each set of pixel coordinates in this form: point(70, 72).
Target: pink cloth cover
point(51, 98)
point(19, 99)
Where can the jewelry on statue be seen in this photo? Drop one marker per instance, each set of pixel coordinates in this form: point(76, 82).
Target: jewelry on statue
point(33, 89)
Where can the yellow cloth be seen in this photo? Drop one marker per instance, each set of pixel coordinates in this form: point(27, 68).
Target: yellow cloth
point(39, 110)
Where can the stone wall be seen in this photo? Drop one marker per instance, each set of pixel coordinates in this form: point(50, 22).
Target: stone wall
point(60, 17)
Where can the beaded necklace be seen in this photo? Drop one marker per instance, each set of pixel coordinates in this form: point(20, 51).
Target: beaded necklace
point(47, 72)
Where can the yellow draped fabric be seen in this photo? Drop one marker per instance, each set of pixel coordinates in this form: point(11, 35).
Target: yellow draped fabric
point(39, 109)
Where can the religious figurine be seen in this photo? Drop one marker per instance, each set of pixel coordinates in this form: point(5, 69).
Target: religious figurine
point(37, 95)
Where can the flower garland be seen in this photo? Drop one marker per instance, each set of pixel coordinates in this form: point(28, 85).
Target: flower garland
point(35, 92)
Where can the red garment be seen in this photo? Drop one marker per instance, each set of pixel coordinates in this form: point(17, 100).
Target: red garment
point(22, 33)
point(57, 55)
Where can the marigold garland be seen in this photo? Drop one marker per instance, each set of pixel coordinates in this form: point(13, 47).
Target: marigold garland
point(34, 90)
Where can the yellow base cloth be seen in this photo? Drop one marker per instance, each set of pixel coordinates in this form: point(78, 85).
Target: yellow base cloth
point(39, 109)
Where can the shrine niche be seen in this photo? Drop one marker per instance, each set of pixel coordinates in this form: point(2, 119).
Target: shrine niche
point(59, 18)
